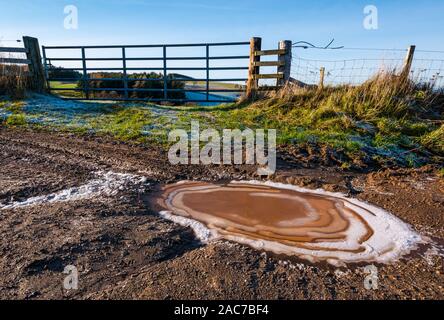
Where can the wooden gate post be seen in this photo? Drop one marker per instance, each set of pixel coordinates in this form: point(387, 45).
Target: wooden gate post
point(36, 66)
point(285, 62)
point(253, 70)
point(321, 78)
point(408, 63)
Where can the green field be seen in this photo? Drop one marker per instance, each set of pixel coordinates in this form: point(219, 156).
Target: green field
point(66, 93)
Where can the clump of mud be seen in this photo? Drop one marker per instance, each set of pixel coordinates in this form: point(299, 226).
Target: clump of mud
point(311, 224)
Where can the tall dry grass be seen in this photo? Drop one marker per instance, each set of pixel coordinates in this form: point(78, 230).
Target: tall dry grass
point(386, 112)
point(385, 95)
point(14, 81)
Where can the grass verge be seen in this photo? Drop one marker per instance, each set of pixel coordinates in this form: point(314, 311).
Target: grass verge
point(384, 121)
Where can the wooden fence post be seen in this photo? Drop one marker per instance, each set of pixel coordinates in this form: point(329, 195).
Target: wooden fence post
point(285, 62)
point(36, 66)
point(253, 71)
point(321, 78)
point(408, 63)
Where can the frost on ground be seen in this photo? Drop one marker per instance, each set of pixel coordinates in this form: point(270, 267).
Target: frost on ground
point(107, 184)
point(4, 114)
point(46, 109)
point(53, 111)
point(203, 233)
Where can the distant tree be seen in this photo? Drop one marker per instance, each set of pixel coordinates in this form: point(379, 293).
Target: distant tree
point(135, 81)
point(63, 74)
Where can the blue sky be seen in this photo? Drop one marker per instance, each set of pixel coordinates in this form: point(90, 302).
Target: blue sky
point(401, 23)
point(155, 21)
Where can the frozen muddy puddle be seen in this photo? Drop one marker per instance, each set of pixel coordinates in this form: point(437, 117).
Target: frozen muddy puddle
point(311, 224)
point(106, 184)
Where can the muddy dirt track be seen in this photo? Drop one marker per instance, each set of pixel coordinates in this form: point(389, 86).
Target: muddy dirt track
point(124, 250)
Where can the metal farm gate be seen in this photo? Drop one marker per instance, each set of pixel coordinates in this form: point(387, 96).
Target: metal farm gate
point(126, 74)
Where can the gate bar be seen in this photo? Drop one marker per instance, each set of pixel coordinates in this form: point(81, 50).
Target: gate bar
point(154, 58)
point(85, 75)
point(165, 74)
point(125, 76)
point(208, 72)
point(153, 45)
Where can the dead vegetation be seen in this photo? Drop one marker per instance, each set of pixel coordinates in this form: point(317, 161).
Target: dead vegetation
point(14, 81)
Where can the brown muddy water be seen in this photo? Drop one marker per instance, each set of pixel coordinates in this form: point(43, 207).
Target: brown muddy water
point(311, 224)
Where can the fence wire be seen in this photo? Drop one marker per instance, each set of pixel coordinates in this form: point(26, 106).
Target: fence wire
point(355, 71)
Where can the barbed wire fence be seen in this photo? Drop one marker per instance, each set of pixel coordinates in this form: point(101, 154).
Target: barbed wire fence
point(427, 67)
